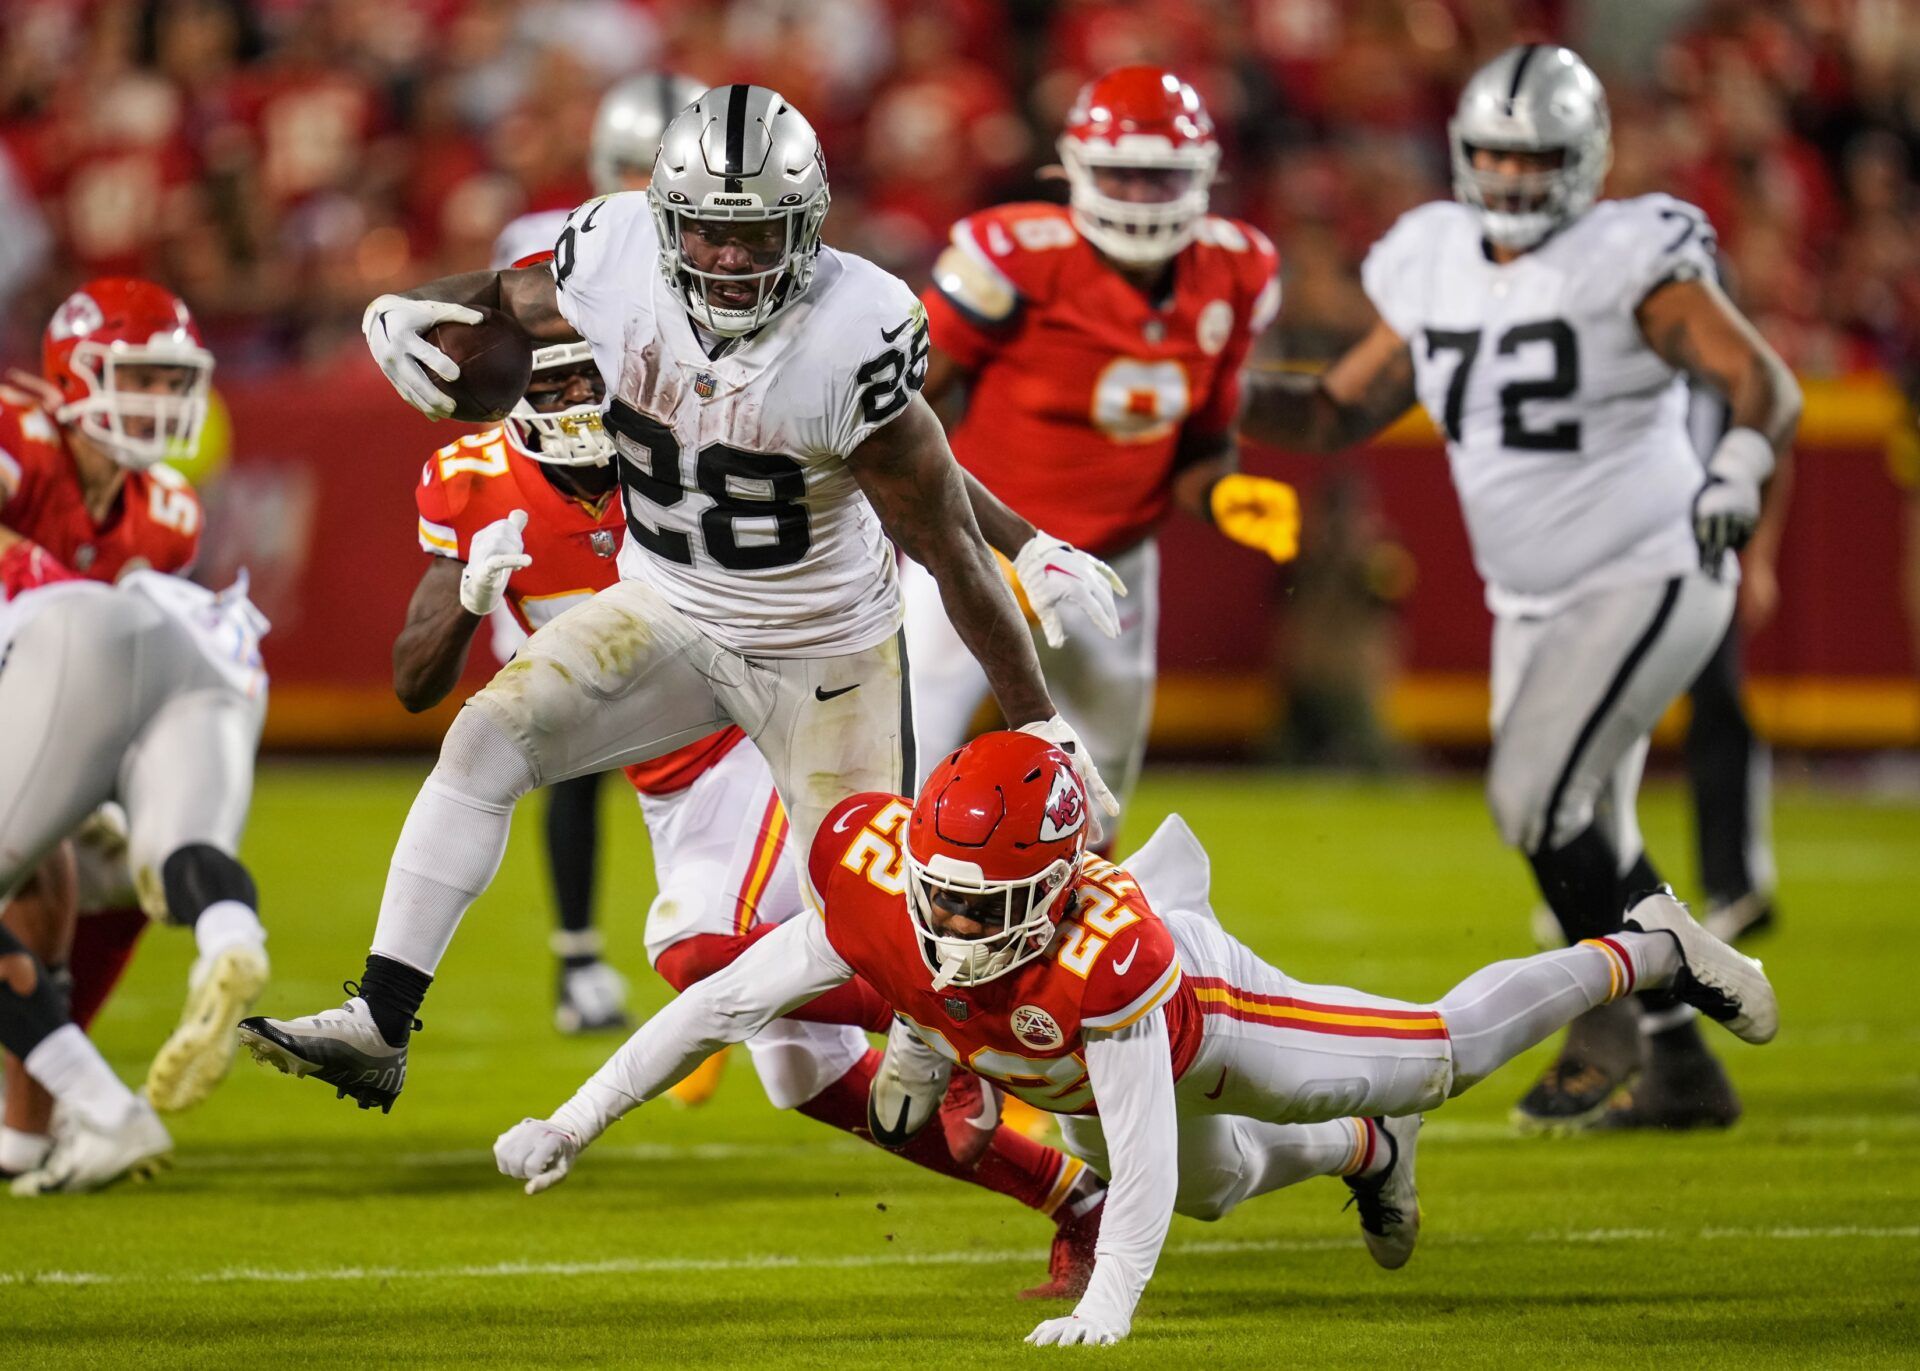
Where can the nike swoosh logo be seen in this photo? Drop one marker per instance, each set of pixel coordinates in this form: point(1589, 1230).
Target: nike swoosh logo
point(840, 824)
point(896, 332)
point(1121, 968)
point(1055, 566)
point(1214, 1093)
point(586, 224)
point(822, 694)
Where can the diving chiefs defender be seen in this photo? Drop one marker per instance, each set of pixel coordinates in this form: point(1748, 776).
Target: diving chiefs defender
point(1188, 1070)
point(524, 516)
point(84, 492)
point(1100, 348)
point(632, 116)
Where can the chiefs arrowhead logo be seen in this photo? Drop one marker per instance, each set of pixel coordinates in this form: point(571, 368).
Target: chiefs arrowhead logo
point(78, 316)
point(1036, 1028)
point(1066, 811)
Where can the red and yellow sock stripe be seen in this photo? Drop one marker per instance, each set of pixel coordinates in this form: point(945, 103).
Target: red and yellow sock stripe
point(766, 860)
point(1345, 1020)
point(1071, 1169)
point(1366, 1146)
point(1620, 973)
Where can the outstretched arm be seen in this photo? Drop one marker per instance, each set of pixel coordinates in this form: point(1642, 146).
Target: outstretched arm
point(1369, 387)
point(1132, 1076)
point(920, 494)
point(431, 651)
point(782, 971)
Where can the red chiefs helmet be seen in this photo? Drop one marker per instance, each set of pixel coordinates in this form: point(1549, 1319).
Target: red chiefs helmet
point(131, 370)
point(997, 835)
point(1148, 122)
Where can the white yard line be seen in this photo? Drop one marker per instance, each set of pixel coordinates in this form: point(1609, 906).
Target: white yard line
point(642, 1266)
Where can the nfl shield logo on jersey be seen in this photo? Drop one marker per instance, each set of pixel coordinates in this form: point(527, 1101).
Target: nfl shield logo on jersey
point(703, 384)
point(601, 541)
point(957, 1009)
point(1035, 1027)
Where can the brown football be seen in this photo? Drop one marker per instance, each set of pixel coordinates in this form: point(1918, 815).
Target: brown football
point(495, 357)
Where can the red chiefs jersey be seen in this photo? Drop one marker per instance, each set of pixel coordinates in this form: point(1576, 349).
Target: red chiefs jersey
point(482, 478)
point(1112, 964)
point(154, 522)
point(1082, 387)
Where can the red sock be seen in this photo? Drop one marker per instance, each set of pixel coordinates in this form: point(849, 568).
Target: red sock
point(103, 944)
point(1014, 1166)
point(698, 957)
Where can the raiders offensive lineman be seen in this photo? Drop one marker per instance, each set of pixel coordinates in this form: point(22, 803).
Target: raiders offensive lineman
point(1552, 336)
point(764, 400)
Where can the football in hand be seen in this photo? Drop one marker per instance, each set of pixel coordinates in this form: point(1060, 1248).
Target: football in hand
point(495, 357)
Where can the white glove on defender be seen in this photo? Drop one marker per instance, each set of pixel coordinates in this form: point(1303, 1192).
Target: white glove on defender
point(492, 557)
point(537, 1152)
point(1054, 574)
point(1727, 507)
point(393, 325)
point(1060, 733)
point(1077, 1329)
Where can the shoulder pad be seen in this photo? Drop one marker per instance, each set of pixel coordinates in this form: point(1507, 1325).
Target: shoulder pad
point(862, 836)
point(1023, 242)
point(1132, 975)
point(1651, 241)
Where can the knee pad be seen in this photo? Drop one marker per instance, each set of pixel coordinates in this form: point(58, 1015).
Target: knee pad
point(199, 875)
point(32, 1005)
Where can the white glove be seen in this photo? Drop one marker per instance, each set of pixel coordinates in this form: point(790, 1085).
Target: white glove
point(492, 557)
point(1053, 574)
point(393, 325)
point(1060, 733)
point(1077, 1329)
point(1727, 506)
point(537, 1152)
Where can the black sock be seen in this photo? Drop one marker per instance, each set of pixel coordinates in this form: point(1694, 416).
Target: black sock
point(31, 1005)
point(573, 849)
point(1579, 880)
point(393, 992)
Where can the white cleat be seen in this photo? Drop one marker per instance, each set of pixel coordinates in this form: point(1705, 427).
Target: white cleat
point(1727, 986)
point(340, 1047)
point(908, 1088)
point(199, 1054)
point(1389, 1202)
point(88, 1158)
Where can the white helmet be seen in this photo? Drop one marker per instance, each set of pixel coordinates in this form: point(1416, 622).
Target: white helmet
point(1535, 98)
point(572, 437)
point(627, 128)
point(740, 154)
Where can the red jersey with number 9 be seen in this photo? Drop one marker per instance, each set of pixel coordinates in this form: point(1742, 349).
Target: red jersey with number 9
point(481, 479)
point(1112, 963)
point(155, 521)
point(1082, 384)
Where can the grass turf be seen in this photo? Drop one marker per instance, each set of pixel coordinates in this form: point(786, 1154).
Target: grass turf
point(296, 1230)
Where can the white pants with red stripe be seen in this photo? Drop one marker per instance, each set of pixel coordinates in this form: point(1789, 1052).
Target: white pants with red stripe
point(724, 864)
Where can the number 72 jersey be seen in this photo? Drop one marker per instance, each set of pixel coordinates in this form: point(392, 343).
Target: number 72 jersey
point(740, 508)
point(1566, 432)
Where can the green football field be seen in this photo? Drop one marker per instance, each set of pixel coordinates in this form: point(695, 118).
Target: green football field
point(295, 1230)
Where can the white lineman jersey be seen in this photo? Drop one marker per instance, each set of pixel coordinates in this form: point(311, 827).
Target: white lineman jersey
point(1566, 433)
point(741, 511)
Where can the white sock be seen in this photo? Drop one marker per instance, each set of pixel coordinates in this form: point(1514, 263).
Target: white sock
point(452, 842)
point(223, 924)
point(21, 1151)
point(75, 1074)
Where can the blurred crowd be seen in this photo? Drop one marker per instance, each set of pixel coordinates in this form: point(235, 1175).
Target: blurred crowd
point(282, 161)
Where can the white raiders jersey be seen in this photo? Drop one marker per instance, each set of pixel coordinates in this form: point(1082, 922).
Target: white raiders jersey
point(740, 508)
point(1566, 433)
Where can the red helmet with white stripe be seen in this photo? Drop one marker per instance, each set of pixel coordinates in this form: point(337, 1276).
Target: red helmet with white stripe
point(996, 839)
point(1140, 156)
point(132, 373)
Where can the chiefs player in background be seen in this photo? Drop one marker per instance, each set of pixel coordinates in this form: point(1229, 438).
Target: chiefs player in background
point(85, 492)
point(592, 995)
point(525, 518)
point(1100, 346)
point(1189, 1071)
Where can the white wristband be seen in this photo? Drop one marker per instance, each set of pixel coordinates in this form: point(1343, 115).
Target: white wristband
point(1744, 454)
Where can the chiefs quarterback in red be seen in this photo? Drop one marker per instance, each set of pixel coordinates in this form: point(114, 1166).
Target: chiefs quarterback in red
point(83, 480)
point(1185, 1069)
point(1099, 346)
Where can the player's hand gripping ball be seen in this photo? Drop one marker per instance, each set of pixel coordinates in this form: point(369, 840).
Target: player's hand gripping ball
point(450, 361)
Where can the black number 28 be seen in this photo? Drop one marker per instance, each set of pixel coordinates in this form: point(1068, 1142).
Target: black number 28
point(650, 471)
point(1562, 383)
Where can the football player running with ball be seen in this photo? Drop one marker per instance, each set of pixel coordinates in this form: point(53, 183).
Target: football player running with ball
point(1185, 1069)
point(773, 448)
point(1100, 346)
point(1552, 335)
